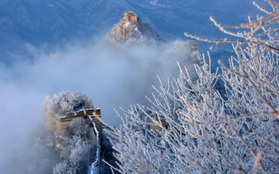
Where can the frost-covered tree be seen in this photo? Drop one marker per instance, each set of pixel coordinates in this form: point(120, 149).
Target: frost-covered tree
point(66, 101)
point(75, 146)
point(77, 149)
point(197, 126)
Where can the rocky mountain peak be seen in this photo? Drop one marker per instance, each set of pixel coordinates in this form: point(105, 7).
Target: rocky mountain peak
point(131, 29)
point(130, 17)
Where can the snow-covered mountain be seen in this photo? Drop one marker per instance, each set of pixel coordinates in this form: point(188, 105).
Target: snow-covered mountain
point(26, 25)
point(51, 23)
point(173, 18)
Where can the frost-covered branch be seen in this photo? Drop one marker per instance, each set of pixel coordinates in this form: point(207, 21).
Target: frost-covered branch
point(213, 123)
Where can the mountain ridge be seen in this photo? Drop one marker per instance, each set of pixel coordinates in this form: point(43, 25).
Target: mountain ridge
point(48, 24)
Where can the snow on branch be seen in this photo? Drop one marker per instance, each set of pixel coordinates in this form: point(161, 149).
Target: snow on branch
point(214, 123)
point(262, 31)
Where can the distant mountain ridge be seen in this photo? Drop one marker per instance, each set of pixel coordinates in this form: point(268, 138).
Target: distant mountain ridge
point(52, 23)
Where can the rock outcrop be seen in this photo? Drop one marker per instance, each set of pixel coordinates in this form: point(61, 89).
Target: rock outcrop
point(131, 29)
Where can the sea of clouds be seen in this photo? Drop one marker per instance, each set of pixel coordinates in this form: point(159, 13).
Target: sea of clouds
point(113, 76)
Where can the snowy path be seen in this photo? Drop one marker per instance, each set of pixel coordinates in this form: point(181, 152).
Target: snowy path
point(95, 166)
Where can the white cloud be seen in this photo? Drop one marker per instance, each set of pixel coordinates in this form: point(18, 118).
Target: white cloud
point(112, 77)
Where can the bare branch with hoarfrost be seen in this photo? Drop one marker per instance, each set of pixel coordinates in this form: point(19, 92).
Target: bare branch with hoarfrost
point(196, 125)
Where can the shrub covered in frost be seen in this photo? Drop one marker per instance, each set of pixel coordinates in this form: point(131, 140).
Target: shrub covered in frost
point(66, 101)
point(206, 132)
point(78, 148)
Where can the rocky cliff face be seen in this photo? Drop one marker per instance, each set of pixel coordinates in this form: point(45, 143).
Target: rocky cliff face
point(131, 29)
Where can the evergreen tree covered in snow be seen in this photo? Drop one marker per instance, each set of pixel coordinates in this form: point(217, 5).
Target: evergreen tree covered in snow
point(192, 128)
